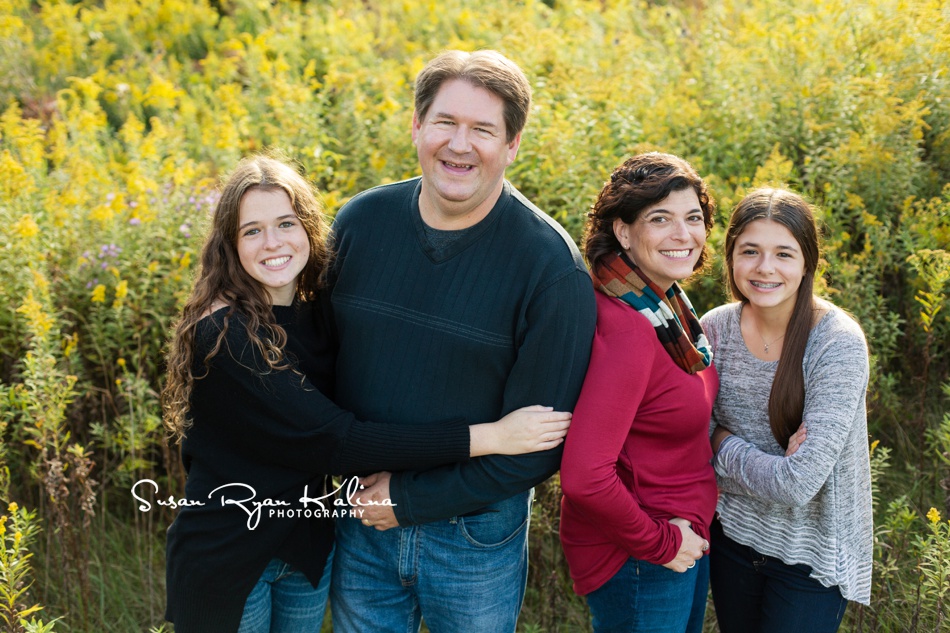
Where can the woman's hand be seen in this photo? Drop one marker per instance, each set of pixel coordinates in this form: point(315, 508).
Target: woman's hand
point(524, 430)
point(796, 440)
point(691, 549)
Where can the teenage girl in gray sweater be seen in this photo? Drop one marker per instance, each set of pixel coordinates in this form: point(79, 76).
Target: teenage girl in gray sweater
point(793, 542)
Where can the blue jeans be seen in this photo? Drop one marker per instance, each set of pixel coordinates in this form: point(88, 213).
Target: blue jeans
point(466, 573)
point(284, 601)
point(647, 598)
point(755, 593)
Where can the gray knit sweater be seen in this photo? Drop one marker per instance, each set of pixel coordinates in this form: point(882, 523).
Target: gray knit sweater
point(812, 508)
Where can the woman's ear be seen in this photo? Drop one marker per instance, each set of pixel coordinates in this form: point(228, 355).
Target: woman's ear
point(622, 233)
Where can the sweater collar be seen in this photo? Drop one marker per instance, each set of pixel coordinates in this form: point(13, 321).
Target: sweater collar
point(472, 234)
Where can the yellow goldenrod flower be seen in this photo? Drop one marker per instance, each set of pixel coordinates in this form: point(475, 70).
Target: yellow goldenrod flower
point(933, 516)
point(16, 181)
point(99, 294)
point(102, 213)
point(121, 289)
point(132, 131)
point(39, 321)
point(13, 507)
point(26, 227)
point(377, 161)
point(12, 26)
point(3, 528)
point(42, 284)
point(17, 537)
point(120, 362)
point(69, 344)
point(162, 94)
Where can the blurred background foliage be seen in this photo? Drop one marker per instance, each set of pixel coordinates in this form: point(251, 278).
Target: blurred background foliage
point(118, 118)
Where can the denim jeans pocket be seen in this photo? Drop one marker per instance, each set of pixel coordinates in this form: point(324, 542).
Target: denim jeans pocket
point(498, 524)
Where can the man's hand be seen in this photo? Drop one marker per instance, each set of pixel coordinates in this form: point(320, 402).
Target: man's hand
point(376, 491)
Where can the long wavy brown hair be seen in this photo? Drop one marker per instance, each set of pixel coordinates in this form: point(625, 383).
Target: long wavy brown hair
point(787, 398)
point(222, 280)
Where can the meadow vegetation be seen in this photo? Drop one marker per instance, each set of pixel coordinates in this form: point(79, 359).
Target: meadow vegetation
point(118, 118)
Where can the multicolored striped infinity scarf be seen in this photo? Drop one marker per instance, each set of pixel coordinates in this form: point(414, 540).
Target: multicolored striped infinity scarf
point(671, 316)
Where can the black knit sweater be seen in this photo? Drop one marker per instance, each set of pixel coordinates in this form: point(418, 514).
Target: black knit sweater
point(278, 434)
point(498, 319)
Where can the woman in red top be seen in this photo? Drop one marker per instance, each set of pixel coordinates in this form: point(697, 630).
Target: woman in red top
point(639, 491)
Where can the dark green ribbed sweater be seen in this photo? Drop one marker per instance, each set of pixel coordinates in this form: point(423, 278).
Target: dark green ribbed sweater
point(276, 434)
point(501, 318)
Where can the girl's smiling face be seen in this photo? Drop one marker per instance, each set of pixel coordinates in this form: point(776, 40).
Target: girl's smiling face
point(767, 265)
point(272, 243)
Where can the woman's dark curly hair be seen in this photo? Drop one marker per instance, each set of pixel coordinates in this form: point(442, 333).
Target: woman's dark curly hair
point(640, 182)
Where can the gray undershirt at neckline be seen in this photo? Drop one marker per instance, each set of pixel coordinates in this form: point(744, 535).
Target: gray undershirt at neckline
point(440, 239)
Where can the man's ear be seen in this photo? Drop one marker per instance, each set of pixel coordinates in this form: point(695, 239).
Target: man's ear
point(513, 148)
point(416, 126)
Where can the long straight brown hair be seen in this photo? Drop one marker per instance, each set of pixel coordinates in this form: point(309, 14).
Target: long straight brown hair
point(787, 398)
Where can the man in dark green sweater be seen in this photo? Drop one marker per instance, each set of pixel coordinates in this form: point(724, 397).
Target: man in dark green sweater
point(455, 297)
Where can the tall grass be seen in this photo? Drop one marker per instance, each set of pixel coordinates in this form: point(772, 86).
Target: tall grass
point(118, 117)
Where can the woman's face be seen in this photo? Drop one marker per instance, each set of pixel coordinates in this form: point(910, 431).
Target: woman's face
point(667, 239)
point(272, 243)
point(767, 265)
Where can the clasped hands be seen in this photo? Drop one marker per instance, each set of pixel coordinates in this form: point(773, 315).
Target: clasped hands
point(373, 503)
point(692, 547)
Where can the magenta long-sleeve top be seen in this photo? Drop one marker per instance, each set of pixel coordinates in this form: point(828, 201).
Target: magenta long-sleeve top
point(637, 453)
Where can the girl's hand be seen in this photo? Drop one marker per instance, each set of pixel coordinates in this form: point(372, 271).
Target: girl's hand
point(691, 549)
point(524, 430)
point(795, 440)
point(719, 434)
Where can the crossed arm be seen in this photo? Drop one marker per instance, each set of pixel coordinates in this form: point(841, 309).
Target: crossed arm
point(834, 390)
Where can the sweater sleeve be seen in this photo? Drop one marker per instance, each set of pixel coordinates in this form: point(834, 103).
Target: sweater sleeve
point(834, 389)
point(549, 370)
point(282, 419)
point(608, 404)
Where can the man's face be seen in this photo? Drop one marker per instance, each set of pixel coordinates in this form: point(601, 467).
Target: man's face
point(463, 153)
